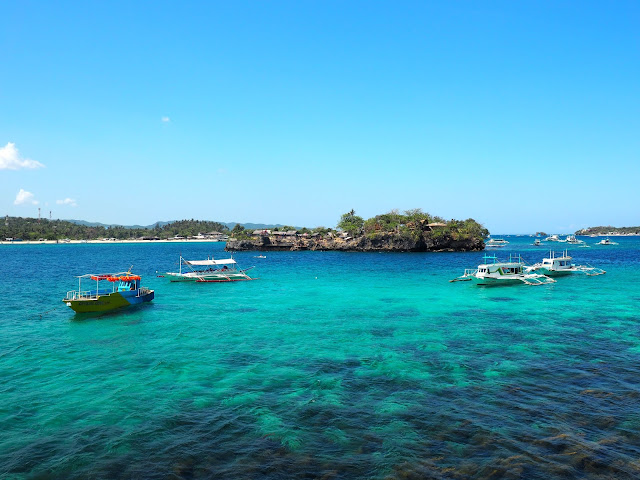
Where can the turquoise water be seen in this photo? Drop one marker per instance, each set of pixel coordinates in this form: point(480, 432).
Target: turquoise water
point(331, 365)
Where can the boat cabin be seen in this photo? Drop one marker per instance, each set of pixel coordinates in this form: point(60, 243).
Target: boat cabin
point(493, 266)
point(557, 262)
point(501, 269)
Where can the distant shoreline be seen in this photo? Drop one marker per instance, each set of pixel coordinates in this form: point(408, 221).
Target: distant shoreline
point(200, 240)
point(78, 242)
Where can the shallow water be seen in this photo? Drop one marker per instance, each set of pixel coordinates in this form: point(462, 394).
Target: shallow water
point(331, 365)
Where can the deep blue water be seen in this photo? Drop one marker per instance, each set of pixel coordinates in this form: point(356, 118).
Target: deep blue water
point(330, 365)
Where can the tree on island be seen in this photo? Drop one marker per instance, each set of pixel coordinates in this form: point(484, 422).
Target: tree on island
point(237, 229)
point(351, 223)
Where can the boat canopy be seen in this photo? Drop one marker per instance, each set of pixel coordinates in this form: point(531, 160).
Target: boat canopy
point(101, 276)
point(225, 261)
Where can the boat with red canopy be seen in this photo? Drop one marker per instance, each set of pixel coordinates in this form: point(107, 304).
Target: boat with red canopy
point(110, 291)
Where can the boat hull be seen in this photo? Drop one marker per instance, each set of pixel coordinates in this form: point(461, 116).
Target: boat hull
point(105, 303)
point(206, 277)
point(176, 277)
point(528, 279)
point(494, 282)
point(554, 273)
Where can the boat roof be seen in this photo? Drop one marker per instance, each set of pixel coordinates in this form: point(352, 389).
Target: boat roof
point(555, 256)
point(103, 276)
point(500, 264)
point(224, 261)
point(514, 259)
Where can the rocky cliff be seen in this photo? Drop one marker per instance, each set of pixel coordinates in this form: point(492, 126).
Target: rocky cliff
point(380, 242)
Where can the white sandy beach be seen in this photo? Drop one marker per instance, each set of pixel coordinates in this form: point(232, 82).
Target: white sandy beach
point(68, 242)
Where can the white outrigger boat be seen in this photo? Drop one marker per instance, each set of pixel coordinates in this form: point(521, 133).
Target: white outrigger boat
point(561, 264)
point(496, 242)
point(537, 243)
point(223, 270)
point(496, 272)
point(573, 240)
point(552, 238)
point(606, 241)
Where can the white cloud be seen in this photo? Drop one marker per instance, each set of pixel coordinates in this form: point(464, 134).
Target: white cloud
point(165, 119)
point(25, 197)
point(10, 159)
point(67, 201)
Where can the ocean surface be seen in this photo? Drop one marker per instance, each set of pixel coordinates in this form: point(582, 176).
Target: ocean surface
point(330, 365)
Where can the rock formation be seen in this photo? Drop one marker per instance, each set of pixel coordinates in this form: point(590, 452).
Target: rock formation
point(420, 241)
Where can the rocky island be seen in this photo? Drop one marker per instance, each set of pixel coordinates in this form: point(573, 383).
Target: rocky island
point(413, 231)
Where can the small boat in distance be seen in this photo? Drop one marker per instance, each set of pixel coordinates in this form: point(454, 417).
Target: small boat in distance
point(552, 238)
point(537, 243)
point(573, 240)
point(496, 242)
point(223, 270)
point(495, 272)
point(606, 241)
point(561, 264)
point(125, 290)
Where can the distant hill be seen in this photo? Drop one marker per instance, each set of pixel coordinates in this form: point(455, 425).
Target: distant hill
point(44, 229)
point(255, 226)
point(105, 225)
point(229, 225)
point(609, 230)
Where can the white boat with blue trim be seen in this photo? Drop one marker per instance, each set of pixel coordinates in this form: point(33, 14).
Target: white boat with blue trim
point(606, 241)
point(496, 243)
point(562, 264)
point(573, 240)
point(222, 270)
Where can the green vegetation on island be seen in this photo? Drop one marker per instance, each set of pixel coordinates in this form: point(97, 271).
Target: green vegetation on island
point(609, 230)
point(408, 223)
point(413, 230)
point(32, 229)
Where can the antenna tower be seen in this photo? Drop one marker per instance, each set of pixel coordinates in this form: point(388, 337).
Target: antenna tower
point(38, 214)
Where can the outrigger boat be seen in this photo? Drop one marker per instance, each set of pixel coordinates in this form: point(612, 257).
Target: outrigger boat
point(496, 242)
point(496, 272)
point(606, 241)
point(536, 243)
point(223, 270)
point(124, 292)
point(573, 240)
point(561, 264)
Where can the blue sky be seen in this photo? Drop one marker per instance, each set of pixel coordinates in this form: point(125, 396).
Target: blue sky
point(522, 115)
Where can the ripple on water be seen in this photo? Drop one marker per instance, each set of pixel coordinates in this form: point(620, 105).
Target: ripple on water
point(503, 299)
point(404, 313)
